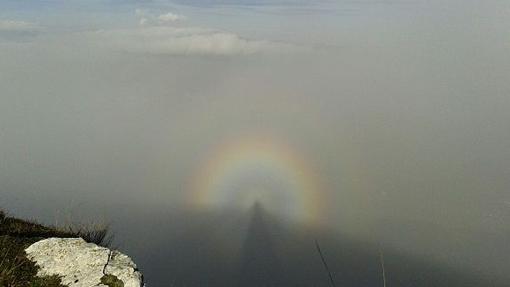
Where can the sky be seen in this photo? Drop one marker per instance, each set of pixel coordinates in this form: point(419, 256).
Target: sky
point(398, 110)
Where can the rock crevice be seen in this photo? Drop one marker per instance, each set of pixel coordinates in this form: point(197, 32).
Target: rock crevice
point(107, 262)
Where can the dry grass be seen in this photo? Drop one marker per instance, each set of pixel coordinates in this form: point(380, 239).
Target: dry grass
point(16, 235)
point(94, 233)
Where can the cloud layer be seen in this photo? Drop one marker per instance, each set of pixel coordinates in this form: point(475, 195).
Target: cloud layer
point(163, 33)
point(185, 41)
point(14, 30)
point(17, 26)
point(166, 34)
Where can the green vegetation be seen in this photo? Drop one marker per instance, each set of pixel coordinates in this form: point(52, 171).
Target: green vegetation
point(16, 235)
point(112, 281)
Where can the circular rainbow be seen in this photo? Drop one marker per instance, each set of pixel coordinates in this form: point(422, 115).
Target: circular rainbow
point(230, 174)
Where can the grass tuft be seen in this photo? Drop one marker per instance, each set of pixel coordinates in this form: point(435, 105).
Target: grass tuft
point(96, 233)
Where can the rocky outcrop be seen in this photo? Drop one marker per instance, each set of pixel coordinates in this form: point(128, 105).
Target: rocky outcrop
point(82, 264)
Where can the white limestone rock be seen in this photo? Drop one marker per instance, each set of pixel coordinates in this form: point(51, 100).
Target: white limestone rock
point(82, 264)
point(124, 268)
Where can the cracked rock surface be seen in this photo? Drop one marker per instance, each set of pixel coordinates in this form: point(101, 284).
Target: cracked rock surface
point(82, 264)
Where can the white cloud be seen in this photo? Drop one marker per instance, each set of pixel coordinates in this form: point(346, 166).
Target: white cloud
point(143, 21)
point(140, 12)
point(162, 35)
point(147, 18)
point(18, 31)
point(171, 17)
point(186, 41)
point(155, 35)
point(17, 26)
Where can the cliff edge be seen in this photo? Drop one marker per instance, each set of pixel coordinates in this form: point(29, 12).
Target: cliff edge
point(33, 255)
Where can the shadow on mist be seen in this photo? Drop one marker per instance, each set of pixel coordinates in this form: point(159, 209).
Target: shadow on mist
point(253, 248)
